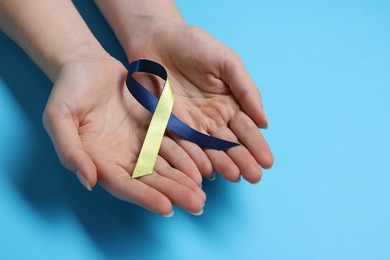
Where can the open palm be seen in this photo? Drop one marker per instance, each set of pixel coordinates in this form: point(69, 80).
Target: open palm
point(214, 94)
point(97, 128)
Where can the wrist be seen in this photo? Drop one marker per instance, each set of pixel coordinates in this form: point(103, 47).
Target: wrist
point(146, 40)
point(81, 51)
point(136, 23)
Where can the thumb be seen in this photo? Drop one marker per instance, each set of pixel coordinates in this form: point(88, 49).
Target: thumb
point(64, 134)
point(235, 75)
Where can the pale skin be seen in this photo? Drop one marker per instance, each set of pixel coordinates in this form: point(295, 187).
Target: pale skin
point(213, 91)
point(97, 127)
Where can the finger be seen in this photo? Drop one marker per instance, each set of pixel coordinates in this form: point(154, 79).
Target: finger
point(178, 194)
point(249, 135)
point(179, 159)
point(197, 155)
point(164, 169)
point(224, 165)
point(117, 181)
point(64, 134)
point(235, 75)
point(240, 155)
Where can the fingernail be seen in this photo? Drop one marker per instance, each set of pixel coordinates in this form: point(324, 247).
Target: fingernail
point(212, 177)
point(169, 215)
point(198, 214)
point(266, 119)
point(238, 180)
point(83, 180)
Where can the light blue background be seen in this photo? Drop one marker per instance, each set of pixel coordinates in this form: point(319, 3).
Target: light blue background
point(323, 68)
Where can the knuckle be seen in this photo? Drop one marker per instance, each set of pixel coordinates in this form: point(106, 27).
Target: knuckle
point(114, 183)
point(231, 173)
point(143, 195)
point(190, 199)
point(47, 118)
point(235, 58)
point(66, 159)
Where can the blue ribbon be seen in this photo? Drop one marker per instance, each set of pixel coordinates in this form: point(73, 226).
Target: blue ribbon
point(149, 101)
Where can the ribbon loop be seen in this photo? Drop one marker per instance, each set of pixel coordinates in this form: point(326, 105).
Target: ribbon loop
point(162, 118)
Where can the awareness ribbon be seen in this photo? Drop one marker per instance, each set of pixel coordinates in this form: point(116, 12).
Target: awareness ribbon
point(162, 118)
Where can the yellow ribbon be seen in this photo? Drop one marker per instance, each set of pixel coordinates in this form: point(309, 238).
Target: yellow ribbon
point(153, 139)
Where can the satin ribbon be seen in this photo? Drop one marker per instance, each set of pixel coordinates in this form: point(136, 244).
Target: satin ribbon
point(162, 118)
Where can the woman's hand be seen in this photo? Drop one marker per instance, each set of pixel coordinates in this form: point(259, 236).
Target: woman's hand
point(214, 94)
point(98, 128)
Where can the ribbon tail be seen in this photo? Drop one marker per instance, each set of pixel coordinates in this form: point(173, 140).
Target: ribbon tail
point(155, 133)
